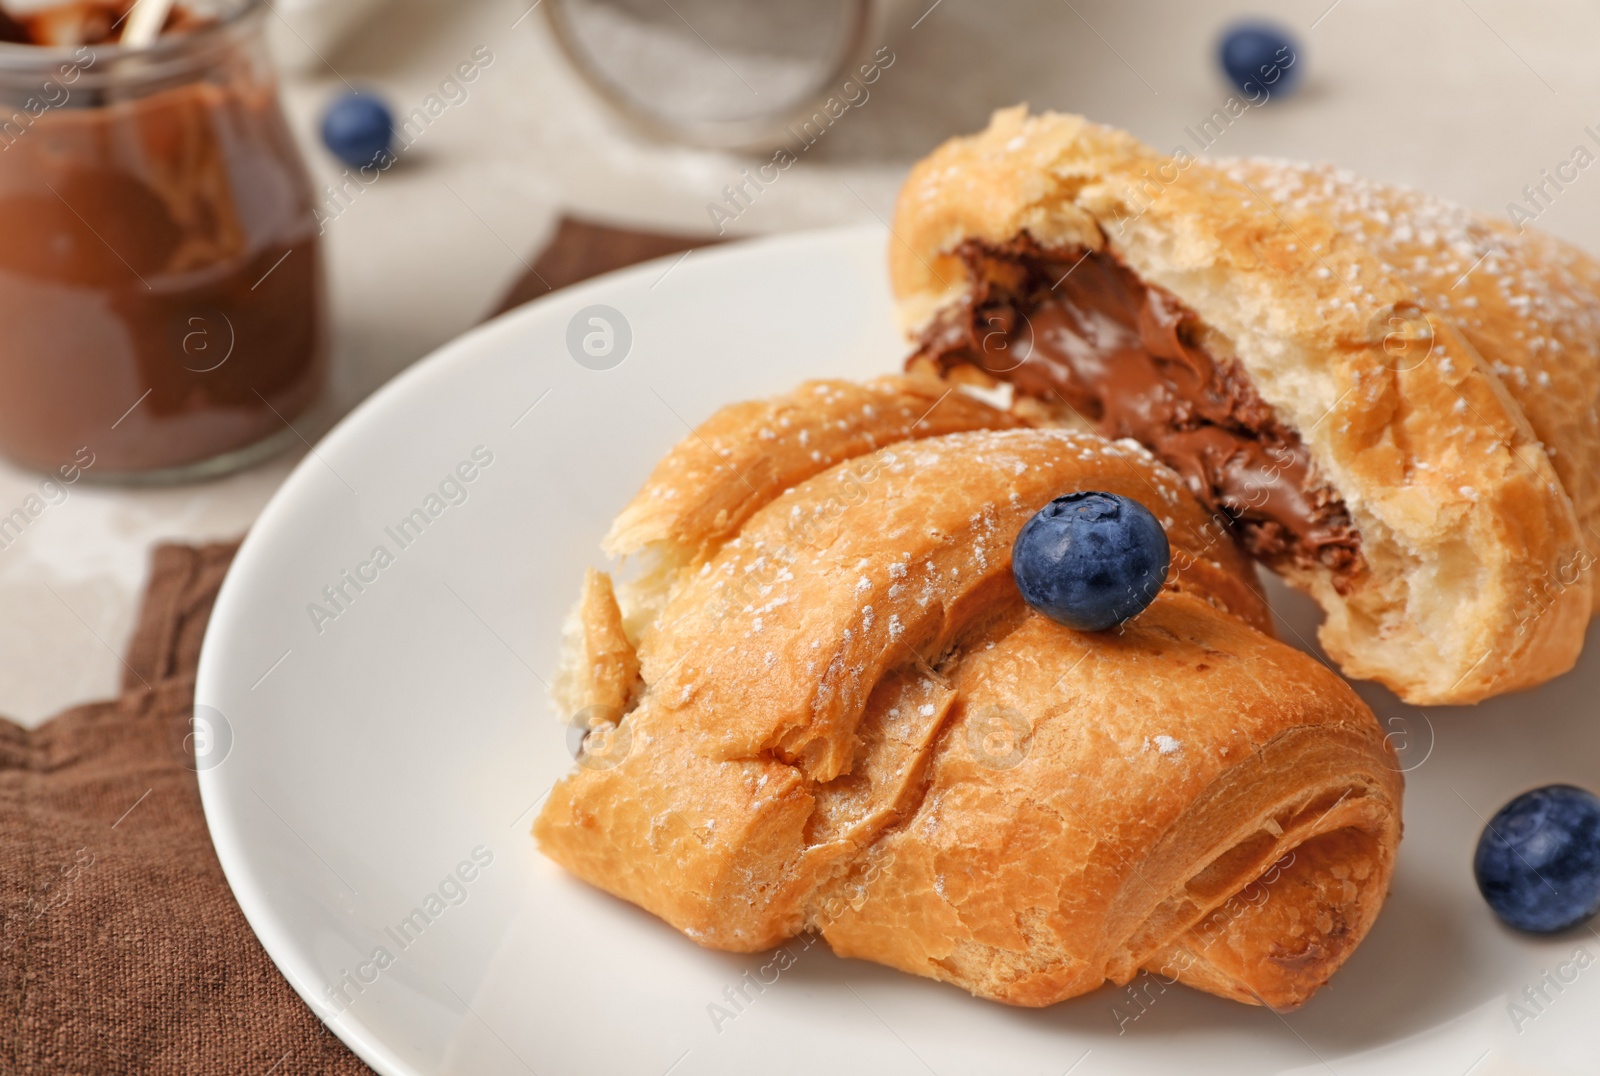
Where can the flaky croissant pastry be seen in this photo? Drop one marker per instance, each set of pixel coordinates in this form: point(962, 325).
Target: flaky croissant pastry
point(1394, 397)
point(827, 708)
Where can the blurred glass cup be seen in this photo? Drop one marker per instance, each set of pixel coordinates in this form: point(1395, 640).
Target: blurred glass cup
point(719, 74)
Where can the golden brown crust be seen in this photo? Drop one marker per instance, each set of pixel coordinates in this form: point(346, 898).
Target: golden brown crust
point(1473, 537)
point(1526, 302)
point(770, 445)
point(816, 743)
point(897, 576)
point(1116, 835)
point(610, 667)
point(703, 490)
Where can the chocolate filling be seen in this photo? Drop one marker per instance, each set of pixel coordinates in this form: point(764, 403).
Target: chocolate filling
point(1079, 327)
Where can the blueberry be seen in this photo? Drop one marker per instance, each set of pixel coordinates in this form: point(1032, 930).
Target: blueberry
point(1538, 861)
point(1260, 58)
point(1090, 560)
point(358, 129)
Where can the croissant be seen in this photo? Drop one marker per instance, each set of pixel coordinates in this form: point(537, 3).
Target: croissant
point(825, 707)
point(1392, 397)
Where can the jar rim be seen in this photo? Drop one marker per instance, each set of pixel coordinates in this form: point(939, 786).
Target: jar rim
point(16, 58)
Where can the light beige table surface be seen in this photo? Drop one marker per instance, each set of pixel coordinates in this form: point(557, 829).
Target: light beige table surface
point(1468, 100)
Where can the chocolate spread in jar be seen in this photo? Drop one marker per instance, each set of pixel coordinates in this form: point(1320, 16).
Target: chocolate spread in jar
point(161, 290)
point(1081, 327)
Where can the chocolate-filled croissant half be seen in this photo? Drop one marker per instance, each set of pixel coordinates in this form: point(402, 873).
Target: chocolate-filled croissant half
point(826, 707)
point(1392, 397)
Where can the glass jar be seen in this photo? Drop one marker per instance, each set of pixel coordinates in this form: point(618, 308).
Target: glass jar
point(163, 307)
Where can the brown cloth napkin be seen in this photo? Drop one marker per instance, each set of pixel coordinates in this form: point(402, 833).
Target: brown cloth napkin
point(582, 249)
point(121, 947)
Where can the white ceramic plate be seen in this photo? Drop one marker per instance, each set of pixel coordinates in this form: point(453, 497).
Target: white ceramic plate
point(359, 762)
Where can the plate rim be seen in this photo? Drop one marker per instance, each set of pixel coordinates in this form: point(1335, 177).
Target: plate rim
point(226, 842)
